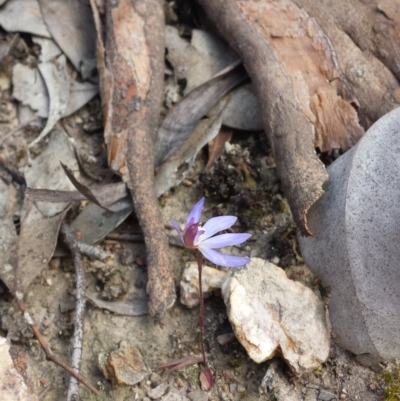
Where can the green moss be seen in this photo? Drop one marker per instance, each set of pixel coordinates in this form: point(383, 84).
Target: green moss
point(392, 381)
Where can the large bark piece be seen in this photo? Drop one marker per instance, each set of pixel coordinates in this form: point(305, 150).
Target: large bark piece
point(370, 62)
point(305, 99)
point(130, 54)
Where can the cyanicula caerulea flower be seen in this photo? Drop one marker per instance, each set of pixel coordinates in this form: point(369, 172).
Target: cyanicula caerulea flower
point(195, 236)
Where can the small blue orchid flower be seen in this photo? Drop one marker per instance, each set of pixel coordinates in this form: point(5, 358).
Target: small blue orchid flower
point(202, 238)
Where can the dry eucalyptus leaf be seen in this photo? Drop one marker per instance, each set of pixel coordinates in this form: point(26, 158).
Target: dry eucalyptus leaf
point(23, 16)
point(80, 93)
point(94, 223)
point(58, 84)
point(355, 248)
point(29, 88)
point(217, 145)
point(36, 243)
point(48, 49)
point(83, 189)
point(46, 172)
point(71, 25)
point(199, 61)
point(177, 167)
point(105, 195)
point(183, 117)
point(133, 307)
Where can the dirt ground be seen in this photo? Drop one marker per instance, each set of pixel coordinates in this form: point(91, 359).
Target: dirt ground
point(242, 182)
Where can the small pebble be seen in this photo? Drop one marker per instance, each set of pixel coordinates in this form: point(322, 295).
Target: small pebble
point(343, 396)
point(49, 281)
point(232, 387)
point(198, 396)
point(275, 260)
point(325, 395)
point(241, 389)
point(224, 339)
point(157, 392)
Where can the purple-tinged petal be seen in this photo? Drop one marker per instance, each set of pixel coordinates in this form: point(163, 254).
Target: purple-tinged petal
point(190, 235)
point(219, 241)
point(206, 379)
point(177, 228)
point(222, 259)
point(217, 224)
point(195, 214)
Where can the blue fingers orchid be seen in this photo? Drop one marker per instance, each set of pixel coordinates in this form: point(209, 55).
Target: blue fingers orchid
point(202, 238)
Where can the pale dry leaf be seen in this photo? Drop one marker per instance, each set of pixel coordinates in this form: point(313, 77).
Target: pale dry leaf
point(217, 146)
point(105, 194)
point(48, 49)
point(177, 167)
point(29, 88)
point(23, 16)
point(57, 82)
point(183, 117)
point(132, 307)
point(46, 172)
point(72, 27)
point(36, 243)
point(197, 62)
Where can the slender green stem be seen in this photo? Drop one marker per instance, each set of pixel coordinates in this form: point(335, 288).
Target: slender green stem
point(201, 311)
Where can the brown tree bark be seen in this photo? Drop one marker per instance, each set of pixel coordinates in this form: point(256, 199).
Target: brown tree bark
point(306, 99)
point(130, 54)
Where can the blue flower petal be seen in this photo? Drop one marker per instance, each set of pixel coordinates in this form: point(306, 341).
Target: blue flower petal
point(219, 241)
point(195, 214)
point(217, 224)
point(177, 228)
point(221, 259)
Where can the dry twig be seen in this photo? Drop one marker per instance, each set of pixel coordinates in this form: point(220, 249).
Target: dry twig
point(72, 243)
point(84, 249)
point(49, 355)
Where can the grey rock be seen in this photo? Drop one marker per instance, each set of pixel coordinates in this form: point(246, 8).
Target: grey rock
point(325, 395)
point(275, 383)
point(270, 313)
point(198, 396)
point(158, 391)
point(174, 396)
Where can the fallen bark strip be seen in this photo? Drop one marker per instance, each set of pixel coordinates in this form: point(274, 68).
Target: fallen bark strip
point(130, 56)
point(372, 25)
point(302, 93)
point(374, 83)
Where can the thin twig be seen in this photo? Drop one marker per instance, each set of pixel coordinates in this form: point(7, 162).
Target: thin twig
point(79, 247)
point(73, 390)
point(49, 355)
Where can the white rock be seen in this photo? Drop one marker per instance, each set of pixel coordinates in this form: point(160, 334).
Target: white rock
point(12, 384)
point(212, 280)
point(270, 313)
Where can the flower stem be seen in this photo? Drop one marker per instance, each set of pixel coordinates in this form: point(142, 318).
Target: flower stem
point(201, 311)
